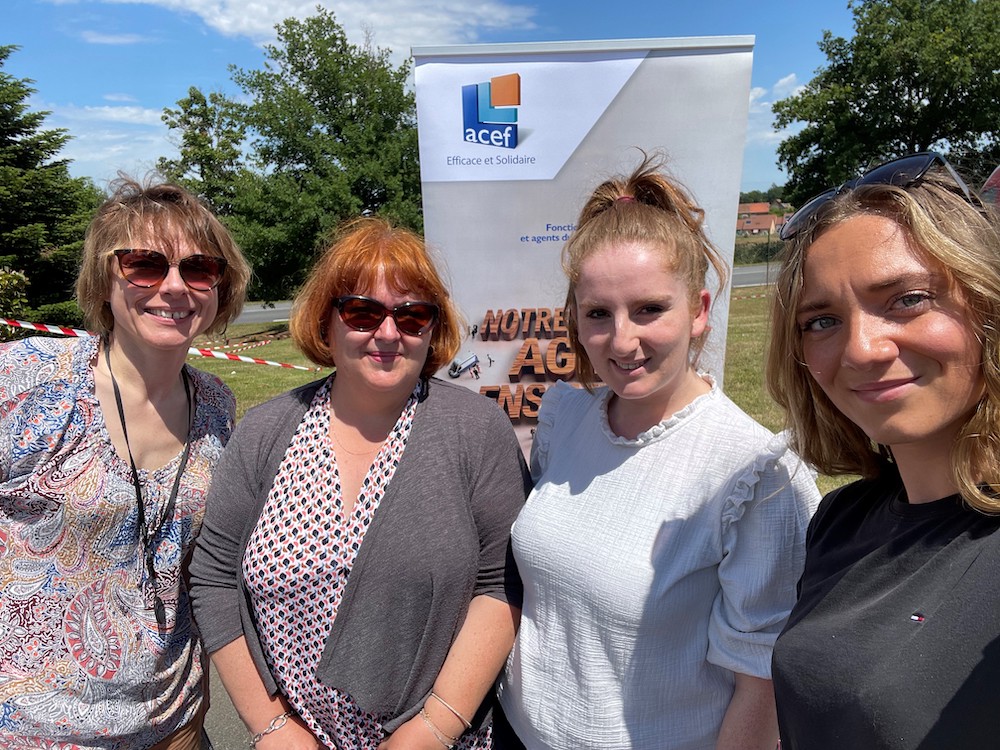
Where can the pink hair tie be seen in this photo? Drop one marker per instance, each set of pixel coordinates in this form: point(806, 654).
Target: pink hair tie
point(625, 199)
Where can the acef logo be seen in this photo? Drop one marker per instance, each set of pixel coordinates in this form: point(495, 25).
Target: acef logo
point(489, 111)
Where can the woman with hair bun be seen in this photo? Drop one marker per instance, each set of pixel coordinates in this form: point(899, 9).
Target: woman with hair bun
point(660, 547)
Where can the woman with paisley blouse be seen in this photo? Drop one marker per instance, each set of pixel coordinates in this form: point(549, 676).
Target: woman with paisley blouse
point(353, 582)
point(107, 443)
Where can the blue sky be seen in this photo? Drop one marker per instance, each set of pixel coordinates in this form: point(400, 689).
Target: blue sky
point(105, 69)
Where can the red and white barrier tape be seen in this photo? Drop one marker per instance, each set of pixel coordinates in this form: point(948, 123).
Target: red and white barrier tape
point(193, 350)
point(44, 328)
point(238, 347)
point(238, 358)
point(244, 347)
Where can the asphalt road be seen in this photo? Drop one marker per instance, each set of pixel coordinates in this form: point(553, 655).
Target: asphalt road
point(265, 312)
point(223, 724)
point(755, 275)
point(277, 312)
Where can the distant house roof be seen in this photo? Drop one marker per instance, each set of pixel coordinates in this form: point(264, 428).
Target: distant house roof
point(754, 208)
point(759, 223)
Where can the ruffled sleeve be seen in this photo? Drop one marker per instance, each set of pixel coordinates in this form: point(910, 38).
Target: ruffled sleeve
point(764, 524)
point(546, 424)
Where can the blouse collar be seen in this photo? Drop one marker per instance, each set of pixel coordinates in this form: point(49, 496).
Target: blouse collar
point(659, 430)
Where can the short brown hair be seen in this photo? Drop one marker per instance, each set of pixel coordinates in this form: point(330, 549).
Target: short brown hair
point(961, 239)
point(363, 250)
point(167, 213)
point(648, 208)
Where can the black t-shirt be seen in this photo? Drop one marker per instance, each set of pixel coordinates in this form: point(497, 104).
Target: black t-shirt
point(895, 639)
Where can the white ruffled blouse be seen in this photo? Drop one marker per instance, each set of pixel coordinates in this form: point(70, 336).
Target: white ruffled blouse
point(653, 570)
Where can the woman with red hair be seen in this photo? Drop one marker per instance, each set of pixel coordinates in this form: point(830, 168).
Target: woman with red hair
point(353, 583)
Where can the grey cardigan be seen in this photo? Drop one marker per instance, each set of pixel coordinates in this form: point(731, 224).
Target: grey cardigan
point(441, 536)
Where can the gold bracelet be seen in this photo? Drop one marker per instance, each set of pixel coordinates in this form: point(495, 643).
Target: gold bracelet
point(448, 742)
point(439, 699)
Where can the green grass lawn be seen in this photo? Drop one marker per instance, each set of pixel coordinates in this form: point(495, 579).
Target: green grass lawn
point(254, 383)
point(749, 311)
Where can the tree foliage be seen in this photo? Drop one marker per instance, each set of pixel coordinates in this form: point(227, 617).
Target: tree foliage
point(13, 300)
point(772, 194)
point(325, 131)
point(917, 75)
point(44, 211)
point(212, 133)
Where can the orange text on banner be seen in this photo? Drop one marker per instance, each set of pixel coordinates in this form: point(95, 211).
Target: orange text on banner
point(545, 355)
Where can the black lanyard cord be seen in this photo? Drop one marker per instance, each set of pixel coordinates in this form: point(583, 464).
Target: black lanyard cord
point(146, 537)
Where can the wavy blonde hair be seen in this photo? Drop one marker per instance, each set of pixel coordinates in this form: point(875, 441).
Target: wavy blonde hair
point(158, 215)
point(961, 239)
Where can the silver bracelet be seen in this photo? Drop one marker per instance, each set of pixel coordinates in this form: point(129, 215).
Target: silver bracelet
point(276, 723)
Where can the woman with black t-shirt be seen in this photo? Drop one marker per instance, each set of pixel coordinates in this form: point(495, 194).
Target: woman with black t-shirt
point(886, 355)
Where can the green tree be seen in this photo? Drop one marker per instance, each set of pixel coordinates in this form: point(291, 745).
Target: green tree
point(753, 196)
point(212, 131)
point(775, 193)
point(333, 129)
point(917, 75)
point(325, 131)
point(13, 302)
point(44, 210)
point(279, 222)
point(341, 111)
point(772, 194)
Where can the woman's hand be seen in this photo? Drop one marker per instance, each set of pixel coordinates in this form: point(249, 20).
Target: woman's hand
point(415, 735)
point(294, 735)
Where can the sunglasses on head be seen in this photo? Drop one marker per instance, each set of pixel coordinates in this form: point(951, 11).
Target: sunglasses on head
point(903, 172)
point(147, 268)
point(366, 314)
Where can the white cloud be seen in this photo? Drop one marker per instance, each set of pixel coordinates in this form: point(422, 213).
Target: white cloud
point(396, 24)
point(108, 139)
point(142, 116)
point(767, 136)
point(101, 152)
point(787, 86)
point(119, 97)
point(760, 127)
point(96, 37)
point(757, 102)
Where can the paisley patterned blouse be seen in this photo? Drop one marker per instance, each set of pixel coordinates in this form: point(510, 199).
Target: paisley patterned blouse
point(83, 663)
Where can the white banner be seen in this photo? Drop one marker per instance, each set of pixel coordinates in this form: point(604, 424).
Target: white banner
point(513, 138)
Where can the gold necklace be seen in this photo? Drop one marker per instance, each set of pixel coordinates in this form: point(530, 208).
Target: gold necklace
point(340, 443)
